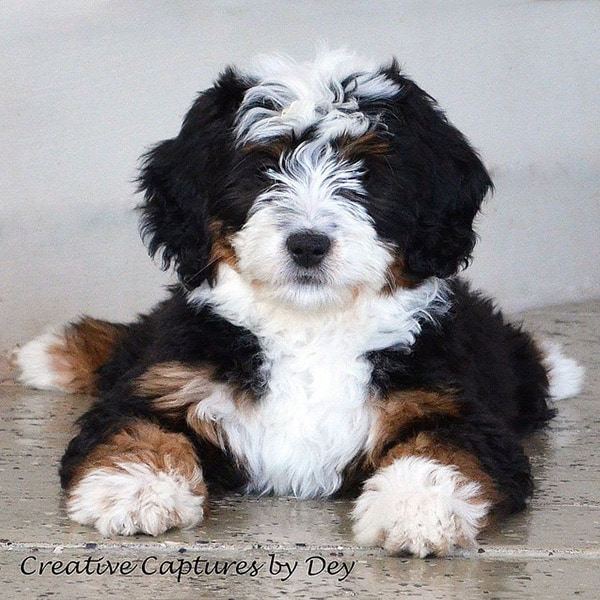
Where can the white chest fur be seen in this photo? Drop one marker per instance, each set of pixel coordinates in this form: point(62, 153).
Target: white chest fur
point(315, 416)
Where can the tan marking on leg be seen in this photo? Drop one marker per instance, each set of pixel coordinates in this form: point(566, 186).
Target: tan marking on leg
point(142, 479)
point(427, 446)
point(84, 347)
point(401, 410)
point(177, 390)
point(170, 377)
point(146, 444)
point(175, 387)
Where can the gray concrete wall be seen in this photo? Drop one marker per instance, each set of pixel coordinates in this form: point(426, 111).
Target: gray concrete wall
point(87, 86)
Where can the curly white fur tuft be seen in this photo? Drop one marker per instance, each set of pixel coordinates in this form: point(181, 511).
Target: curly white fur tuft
point(565, 375)
point(135, 498)
point(419, 506)
point(34, 361)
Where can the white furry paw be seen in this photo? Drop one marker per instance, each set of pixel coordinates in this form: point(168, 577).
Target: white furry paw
point(35, 362)
point(135, 498)
point(419, 506)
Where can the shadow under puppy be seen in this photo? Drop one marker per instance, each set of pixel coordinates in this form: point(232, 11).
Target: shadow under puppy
point(318, 342)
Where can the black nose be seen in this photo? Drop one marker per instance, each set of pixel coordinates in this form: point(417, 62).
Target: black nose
point(307, 248)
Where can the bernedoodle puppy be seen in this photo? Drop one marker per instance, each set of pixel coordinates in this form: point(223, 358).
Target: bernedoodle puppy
point(318, 342)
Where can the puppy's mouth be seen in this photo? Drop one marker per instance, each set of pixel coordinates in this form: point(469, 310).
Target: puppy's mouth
point(310, 279)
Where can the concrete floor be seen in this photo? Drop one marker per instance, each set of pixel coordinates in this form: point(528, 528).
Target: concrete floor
point(303, 549)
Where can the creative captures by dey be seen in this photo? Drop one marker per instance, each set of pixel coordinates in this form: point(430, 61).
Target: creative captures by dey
point(320, 341)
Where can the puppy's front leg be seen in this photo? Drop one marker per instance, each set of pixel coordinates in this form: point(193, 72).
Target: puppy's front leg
point(441, 471)
point(143, 479)
point(422, 501)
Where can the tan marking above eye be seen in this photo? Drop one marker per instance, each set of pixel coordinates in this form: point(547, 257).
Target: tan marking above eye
point(369, 145)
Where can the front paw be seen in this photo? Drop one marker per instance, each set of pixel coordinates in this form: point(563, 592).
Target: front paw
point(421, 507)
point(132, 497)
point(141, 480)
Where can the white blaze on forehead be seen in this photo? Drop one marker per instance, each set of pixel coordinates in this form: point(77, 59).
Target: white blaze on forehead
point(312, 176)
point(288, 97)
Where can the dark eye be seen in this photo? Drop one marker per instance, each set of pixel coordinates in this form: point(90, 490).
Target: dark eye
point(269, 104)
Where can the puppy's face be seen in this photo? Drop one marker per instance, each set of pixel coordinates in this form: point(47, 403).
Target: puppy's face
point(314, 182)
point(308, 238)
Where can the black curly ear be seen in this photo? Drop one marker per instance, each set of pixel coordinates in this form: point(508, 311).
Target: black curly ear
point(182, 177)
point(443, 240)
point(440, 183)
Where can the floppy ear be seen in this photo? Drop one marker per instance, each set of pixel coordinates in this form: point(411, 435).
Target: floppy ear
point(443, 184)
point(444, 238)
point(182, 177)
